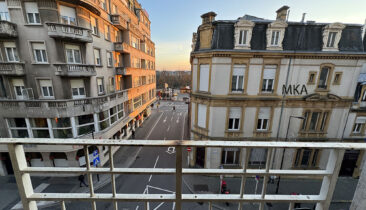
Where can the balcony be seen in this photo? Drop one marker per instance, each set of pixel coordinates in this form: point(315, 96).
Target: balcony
point(121, 22)
point(91, 5)
point(322, 200)
point(121, 47)
point(12, 69)
point(63, 108)
point(69, 32)
point(121, 71)
point(75, 70)
point(8, 29)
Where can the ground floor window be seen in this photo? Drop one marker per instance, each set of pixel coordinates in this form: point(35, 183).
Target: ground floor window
point(257, 158)
point(18, 127)
point(305, 158)
point(85, 124)
point(61, 128)
point(230, 156)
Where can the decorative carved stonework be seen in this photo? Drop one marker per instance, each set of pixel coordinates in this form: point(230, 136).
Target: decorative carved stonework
point(243, 25)
point(194, 41)
point(229, 134)
point(333, 27)
point(276, 26)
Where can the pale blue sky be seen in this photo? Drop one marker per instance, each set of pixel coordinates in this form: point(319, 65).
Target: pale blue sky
point(174, 21)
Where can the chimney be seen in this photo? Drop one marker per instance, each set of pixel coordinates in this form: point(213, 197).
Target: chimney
point(282, 13)
point(208, 17)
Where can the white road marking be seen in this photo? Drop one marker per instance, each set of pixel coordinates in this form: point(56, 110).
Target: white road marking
point(170, 150)
point(168, 128)
point(137, 207)
point(184, 123)
point(147, 137)
point(165, 119)
point(178, 119)
point(173, 206)
point(156, 162)
point(158, 188)
point(159, 206)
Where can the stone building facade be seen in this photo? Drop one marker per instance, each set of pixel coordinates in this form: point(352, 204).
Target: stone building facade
point(73, 69)
point(273, 80)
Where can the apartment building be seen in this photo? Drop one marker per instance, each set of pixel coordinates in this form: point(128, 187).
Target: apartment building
point(73, 69)
point(275, 80)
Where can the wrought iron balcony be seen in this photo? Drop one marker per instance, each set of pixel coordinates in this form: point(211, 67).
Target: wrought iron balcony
point(8, 29)
point(121, 70)
point(69, 32)
point(329, 175)
point(13, 69)
point(120, 21)
point(121, 47)
point(75, 70)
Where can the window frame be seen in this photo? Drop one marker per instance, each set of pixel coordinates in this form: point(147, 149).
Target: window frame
point(102, 85)
point(265, 123)
point(73, 53)
point(109, 60)
point(315, 155)
point(95, 29)
point(34, 14)
point(96, 58)
point(47, 87)
point(236, 156)
point(326, 86)
point(321, 124)
point(314, 73)
point(235, 120)
point(43, 52)
point(266, 82)
point(337, 82)
point(14, 52)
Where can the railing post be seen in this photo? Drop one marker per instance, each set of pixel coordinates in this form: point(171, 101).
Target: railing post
point(24, 182)
point(329, 182)
point(358, 201)
point(243, 177)
point(90, 176)
point(178, 178)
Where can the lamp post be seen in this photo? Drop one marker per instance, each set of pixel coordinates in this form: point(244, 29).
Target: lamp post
point(284, 149)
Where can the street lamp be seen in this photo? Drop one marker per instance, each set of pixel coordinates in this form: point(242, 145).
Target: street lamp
point(284, 149)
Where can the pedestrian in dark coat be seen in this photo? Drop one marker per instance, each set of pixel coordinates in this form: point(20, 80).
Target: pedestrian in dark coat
point(82, 181)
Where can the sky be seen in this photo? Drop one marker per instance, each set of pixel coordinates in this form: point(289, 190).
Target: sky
point(174, 21)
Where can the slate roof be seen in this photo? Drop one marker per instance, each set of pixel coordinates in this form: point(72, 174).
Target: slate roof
point(298, 36)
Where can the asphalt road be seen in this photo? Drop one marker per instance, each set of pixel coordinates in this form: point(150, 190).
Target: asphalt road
point(163, 124)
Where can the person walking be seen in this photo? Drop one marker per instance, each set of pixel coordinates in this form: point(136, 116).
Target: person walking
point(133, 133)
point(82, 180)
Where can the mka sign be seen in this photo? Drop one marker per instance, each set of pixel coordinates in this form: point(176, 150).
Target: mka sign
point(294, 90)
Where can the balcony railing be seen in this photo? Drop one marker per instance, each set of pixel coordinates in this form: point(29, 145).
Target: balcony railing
point(69, 32)
point(121, 70)
point(14, 69)
point(68, 107)
point(328, 175)
point(8, 29)
point(121, 47)
point(75, 70)
point(121, 22)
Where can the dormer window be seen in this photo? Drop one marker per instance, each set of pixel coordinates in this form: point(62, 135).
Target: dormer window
point(243, 34)
point(275, 35)
point(331, 36)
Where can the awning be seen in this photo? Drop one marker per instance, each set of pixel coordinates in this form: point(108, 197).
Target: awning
point(362, 78)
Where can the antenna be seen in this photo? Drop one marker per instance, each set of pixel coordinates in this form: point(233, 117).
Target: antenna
point(303, 17)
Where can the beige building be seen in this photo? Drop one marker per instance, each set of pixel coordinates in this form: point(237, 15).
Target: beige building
point(274, 80)
point(73, 69)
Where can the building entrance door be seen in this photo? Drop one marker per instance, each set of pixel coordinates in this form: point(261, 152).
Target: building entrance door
point(200, 157)
point(349, 162)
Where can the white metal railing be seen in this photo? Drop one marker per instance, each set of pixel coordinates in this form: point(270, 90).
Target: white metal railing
point(329, 175)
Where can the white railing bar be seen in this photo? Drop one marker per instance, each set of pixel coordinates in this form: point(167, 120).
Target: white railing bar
point(178, 178)
point(172, 198)
point(94, 205)
point(74, 170)
point(90, 177)
point(251, 172)
point(169, 143)
point(265, 178)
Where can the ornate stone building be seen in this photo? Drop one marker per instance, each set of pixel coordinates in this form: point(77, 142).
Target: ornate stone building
point(73, 69)
point(275, 80)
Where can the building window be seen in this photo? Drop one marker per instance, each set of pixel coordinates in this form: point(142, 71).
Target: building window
point(359, 125)
point(97, 59)
point(230, 156)
point(94, 25)
point(113, 114)
point(31, 9)
point(363, 98)
point(311, 79)
point(315, 121)
point(68, 15)
point(135, 42)
point(46, 88)
point(305, 158)
point(204, 72)
point(4, 13)
point(100, 84)
point(243, 37)
point(39, 127)
point(201, 115)
point(18, 85)
point(274, 38)
point(121, 112)
point(114, 9)
point(11, 52)
point(39, 52)
point(257, 158)
point(73, 54)
point(84, 124)
point(331, 39)
point(137, 102)
point(109, 59)
point(107, 32)
point(103, 4)
point(263, 119)
point(61, 128)
point(18, 127)
point(78, 89)
point(104, 120)
point(269, 75)
point(323, 78)
point(237, 80)
point(234, 119)
point(337, 78)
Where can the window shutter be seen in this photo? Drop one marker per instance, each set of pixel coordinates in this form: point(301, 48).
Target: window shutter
point(67, 11)
point(100, 82)
point(76, 83)
point(361, 120)
point(31, 7)
point(269, 72)
point(38, 46)
point(235, 112)
point(258, 155)
point(73, 47)
point(264, 113)
point(45, 82)
point(201, 121)
point(9, 44)
point(204, 77)
point(3, 7)
point(238, 70)
point(17, 82)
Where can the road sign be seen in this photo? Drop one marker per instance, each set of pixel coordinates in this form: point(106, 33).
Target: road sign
point(189, 149)
point(96, 159)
